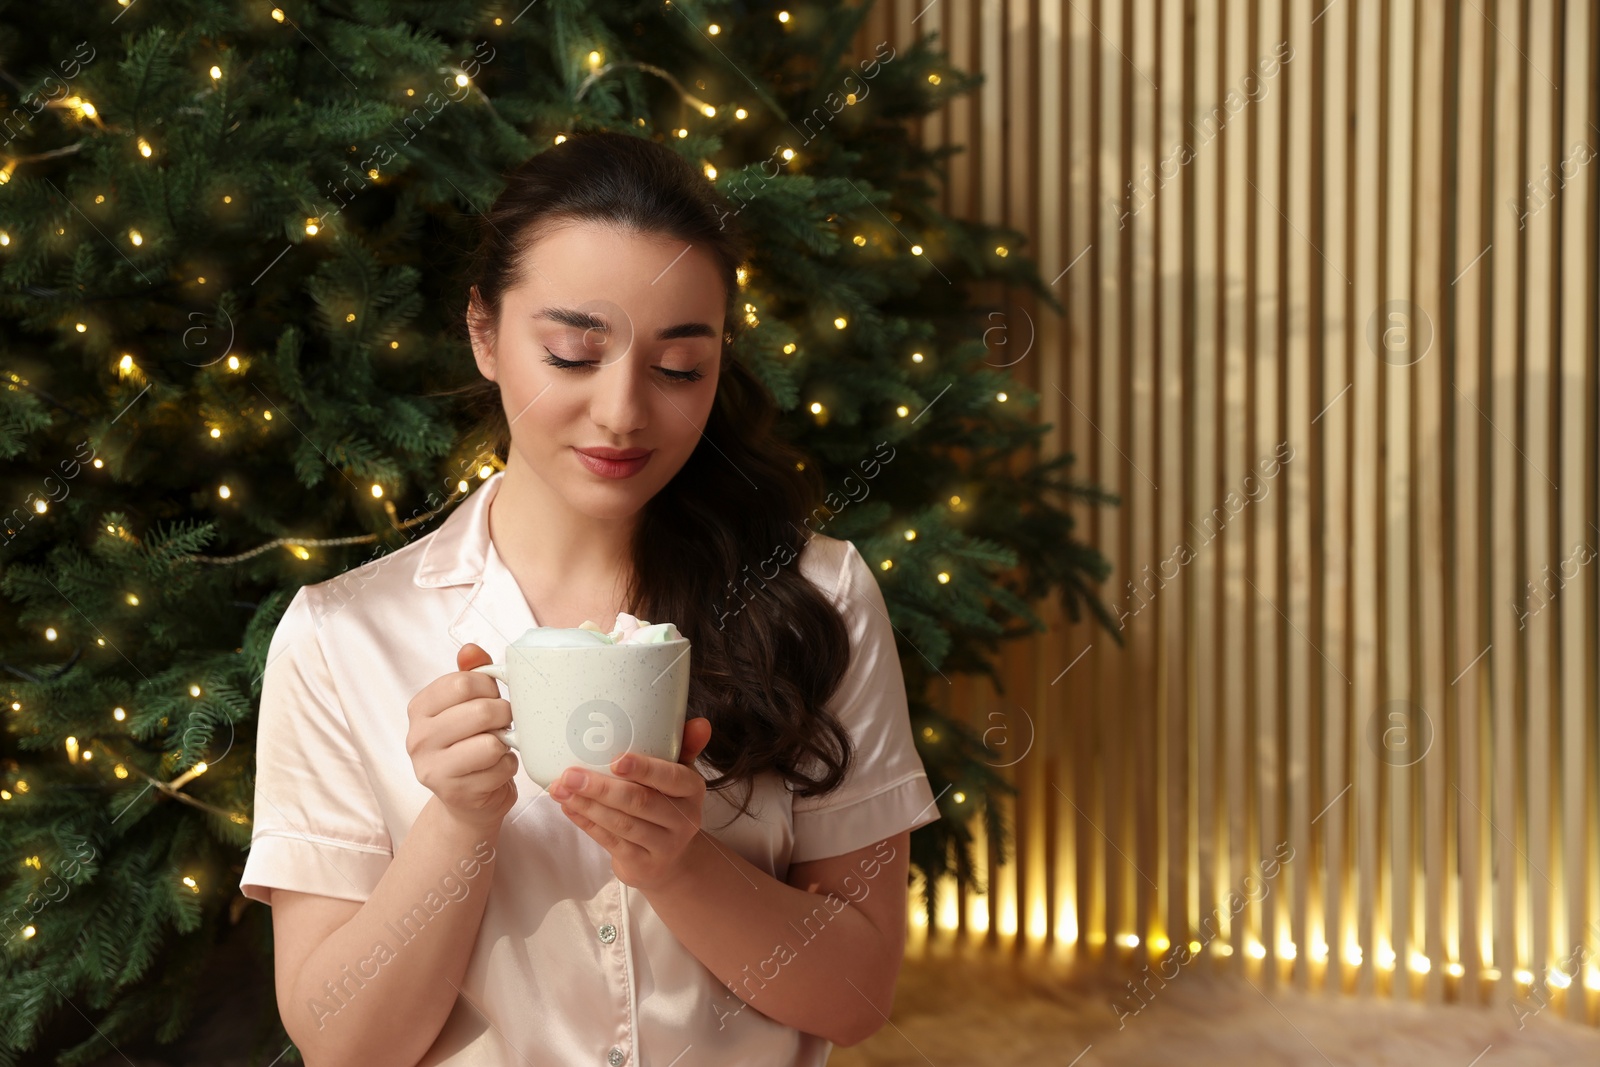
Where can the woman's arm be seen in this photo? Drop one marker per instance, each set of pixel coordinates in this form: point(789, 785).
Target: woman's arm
point(346, 971)
point(822, 961)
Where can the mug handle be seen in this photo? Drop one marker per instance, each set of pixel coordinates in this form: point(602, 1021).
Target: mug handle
point(498, 673)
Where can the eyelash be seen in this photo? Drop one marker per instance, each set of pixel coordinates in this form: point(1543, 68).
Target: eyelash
point(676, 375)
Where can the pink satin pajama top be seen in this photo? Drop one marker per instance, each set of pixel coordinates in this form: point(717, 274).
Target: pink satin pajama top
point(571, 967)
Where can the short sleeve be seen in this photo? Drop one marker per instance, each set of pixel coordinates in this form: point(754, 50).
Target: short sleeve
point(318, 827)
point(886, 789)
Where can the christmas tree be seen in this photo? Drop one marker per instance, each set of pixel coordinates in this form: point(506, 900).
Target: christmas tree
point(227, 240)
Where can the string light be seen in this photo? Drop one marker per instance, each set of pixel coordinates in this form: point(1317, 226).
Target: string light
point(224, 492)
point(711, 172)
point(277, 14)
point(886, 564)
point(377, 490)
point(49, 633)
point(902, 411)
point(311, 227)
point(216, 73)
point(1001, 251)
point(783, 16)
point(119, 714)
point(133, 599)
point(144, 148)
point(911, 535)
point(789, 349)
point(944, 578)
point(840, 323)
point(916, 250)
point(741, 113)
point(1000, 397)
point(916, 357)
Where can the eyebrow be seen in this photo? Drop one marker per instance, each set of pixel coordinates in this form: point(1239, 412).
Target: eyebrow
point(585, 320)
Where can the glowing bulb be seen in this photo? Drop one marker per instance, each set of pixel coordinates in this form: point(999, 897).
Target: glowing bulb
point(944, 577)
point(595, 59)
point(216, 432)
point(711, 172)
point(708, 111)
point(560, 137)
point(1128, 940)
point(190, 882)
point(816, 408)
point(714, 29)
point(299, 552)
point(40, 506)
point(133, 599)
point(911, 535)
point(125, 365)
point(955, 502)
point(216, 73)
point(959, 797)
point(886, 564)
point(840, 323)
point(783, 16)
point(916, 357)
point(377, 490)
point(1420, 963)
point(119, 714)
point(933, 79)
point(224, 492)
point(277, 14)
point(49, 633)
point(311, 227)
point(462, 80)
point(902, 411)
point(1001, 251)
point(1000, 397)
point(233, 362)
point(858, 240)
point(28, 931)
point(485, 470)
point(788, 154)
point(682, 132)
point(194, 690)
point(740, 113)
point(81, 328)
point(351, 317)
point(1454, 970)
point(144, 148)
point(461, 487)
point(789, 349)
point(916, 250)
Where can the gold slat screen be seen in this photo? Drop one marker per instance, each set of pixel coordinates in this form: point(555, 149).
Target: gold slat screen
point(1330, 279)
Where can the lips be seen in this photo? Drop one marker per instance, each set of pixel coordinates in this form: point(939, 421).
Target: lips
point(615, 454)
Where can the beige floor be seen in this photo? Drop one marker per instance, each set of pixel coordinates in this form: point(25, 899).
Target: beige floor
point(964, 1012)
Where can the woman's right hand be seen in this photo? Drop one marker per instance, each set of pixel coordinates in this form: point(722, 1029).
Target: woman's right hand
point(452, 748)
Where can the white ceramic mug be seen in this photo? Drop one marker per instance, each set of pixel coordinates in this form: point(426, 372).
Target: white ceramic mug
point(587, 705)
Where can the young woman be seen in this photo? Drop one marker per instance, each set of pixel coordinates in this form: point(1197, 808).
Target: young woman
point(746, 905)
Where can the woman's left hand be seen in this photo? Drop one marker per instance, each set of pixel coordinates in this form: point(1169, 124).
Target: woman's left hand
point(648, 816)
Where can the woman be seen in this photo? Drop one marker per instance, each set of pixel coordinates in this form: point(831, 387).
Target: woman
point(746, 905)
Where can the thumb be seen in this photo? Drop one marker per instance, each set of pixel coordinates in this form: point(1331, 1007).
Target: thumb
point(696, 736)
point(470, 655)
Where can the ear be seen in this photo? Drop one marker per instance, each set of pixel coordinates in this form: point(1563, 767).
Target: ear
point(480, 330)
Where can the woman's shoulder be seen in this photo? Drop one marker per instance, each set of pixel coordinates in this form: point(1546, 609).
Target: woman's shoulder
point(823, 561)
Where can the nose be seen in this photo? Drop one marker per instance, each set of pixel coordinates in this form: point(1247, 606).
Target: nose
point(620, 404)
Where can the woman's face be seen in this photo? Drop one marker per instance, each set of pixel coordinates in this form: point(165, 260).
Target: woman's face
point(642, 316)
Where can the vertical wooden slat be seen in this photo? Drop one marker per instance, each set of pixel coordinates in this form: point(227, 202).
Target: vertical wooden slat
point(1537, 227)
point(1433, 882)
point(1293, 475)
point(1506, 559)
point(1264, 506)
point(1336, 807)
point(1579, 378)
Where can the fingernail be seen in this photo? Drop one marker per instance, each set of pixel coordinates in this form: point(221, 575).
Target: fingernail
point(573, 779)
point(625, 764)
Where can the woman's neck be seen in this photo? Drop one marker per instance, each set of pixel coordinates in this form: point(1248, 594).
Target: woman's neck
point(560, 557)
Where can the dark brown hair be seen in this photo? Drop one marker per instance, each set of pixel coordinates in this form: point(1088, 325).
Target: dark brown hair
point(764, 678)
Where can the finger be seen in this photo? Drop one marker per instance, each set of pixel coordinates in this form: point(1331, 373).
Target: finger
point(636, 801)
point(470, 754)
point(499, 773)
point(669, 779)
point(696, 736)
point(621, 825)
point(471, 655)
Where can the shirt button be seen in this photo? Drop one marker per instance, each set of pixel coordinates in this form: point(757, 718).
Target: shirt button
point(608, 934)
point(615, 1057)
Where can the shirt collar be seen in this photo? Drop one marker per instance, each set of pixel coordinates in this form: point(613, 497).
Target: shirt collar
point(457, 551)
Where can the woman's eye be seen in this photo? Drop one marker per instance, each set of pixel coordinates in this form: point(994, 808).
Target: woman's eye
point(571, 364)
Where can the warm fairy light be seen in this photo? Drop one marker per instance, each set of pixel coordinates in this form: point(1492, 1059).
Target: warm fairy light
point(5, 794)
point(959, 797)
point(461, 486)
point(125, 364)
point(72, 749)
point(299, 552)
point(233, 362)
point(1256, 950)
point(1224, 950)
point(1128, 940)
point(49, 633)
point(119, 714)
point(1001, 397)
point(267, 415)
point(81, 327)
point(916, 357)
point(788, 154)
point(1524, 977)
point(708, 111)
point(463, 81)
point(200, 768)
point(560, 137)
point(816, 408)
point(741, 113)
point(190, 882)
point(311, 227)
point(595, 59)
point(944, 578)
point(377, 490)
point(98, 463)
point(902, 411)
point(216, 73)
point(1386, 957)
point(485, 470)
point(933, 79)
point(858, 240)
point(840, 323)
point(1559, 978)
point(194, 690)
point(1454, 970)
point(789, 349)
point(681, 132)
point(224, 492)
point(133, 599)
point(783, 16)
point(28, 931)
point(216, 432)
point(144, 148)
point(1420, 963)
point(713, 29)
point(1002, 251)
point(742, 275)
point(711, 172)
point(1194, 948)
point(886, 564)
point(911, 535)
point(351, 317)
point(916, 250)
point(1352, 955)
point(277, 14)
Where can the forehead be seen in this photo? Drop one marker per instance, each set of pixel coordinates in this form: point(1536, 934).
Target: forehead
point(650, 277)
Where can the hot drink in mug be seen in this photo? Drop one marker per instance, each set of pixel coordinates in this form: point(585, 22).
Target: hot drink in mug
point(582, 697)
